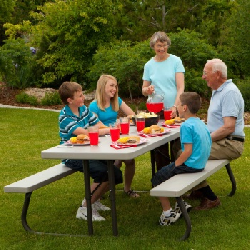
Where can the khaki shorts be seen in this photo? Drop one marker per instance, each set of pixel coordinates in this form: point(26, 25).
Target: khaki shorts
point(223, 149)
point(226, 149)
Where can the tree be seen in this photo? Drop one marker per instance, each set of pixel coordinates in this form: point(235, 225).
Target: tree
point(140, 19)
point(16, 63)
point(235, 44)
point(6, 9)
point(67, 34)
point(126, 60)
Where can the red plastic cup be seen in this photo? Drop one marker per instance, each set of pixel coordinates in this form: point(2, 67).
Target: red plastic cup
point(125, 128)
point(124, 124)
point(93, 135)
point(115, 134)
point(140, 123)
point(167, 114)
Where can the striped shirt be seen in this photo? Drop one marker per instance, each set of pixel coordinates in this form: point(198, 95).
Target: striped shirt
point(69, 122)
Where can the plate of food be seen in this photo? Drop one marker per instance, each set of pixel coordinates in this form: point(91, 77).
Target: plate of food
point(173, 123)
point(80, 140)
point(131, 141)
point(154, 130)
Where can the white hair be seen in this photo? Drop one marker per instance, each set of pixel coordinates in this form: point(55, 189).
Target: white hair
point(218, 65)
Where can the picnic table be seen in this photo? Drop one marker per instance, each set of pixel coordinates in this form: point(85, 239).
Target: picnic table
point(104, 152)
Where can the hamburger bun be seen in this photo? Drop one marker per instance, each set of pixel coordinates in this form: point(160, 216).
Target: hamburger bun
point(177, 119)
point(155, 129)
point(81, 139)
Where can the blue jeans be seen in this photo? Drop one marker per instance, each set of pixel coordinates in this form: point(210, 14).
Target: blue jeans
point(98, 170)
point(171, 170)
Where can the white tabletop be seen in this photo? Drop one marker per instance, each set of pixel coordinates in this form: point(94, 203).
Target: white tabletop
point(104, 152)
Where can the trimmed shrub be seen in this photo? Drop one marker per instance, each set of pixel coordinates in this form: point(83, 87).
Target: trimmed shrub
point(125, 61)
point(25, 98)
point(16, 64)
point(51, 99)
point(243, 86)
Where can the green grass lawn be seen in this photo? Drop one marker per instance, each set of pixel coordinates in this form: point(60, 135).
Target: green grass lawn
point(25, 133)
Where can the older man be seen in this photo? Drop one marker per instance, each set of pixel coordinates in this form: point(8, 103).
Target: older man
point(225, 121)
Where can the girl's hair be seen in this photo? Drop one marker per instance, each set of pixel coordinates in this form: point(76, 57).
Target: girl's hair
point(100, 93)
point(192, 100)
point(159, 36)
point(68, 89)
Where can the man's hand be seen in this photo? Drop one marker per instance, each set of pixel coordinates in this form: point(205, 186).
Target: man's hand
point(227, 129)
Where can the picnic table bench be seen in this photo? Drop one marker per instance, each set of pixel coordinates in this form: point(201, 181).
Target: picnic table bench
point(174, 187)
point(34, 182)
point(178, 185)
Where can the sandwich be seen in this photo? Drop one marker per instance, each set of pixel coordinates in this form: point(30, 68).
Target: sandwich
point(81, 139)
point(177, 119)
point(129, 140)
point(155, 129)
point(133, 139)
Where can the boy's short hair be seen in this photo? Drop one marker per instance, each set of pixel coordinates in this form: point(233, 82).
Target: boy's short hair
point(192, 100)
point(68, 89)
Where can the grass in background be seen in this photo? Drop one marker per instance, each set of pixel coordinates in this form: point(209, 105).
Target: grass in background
point(25, 133)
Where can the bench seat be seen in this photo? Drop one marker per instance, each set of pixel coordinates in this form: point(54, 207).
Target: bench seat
point(34, 182)
point(180, 184)
point(38, 180)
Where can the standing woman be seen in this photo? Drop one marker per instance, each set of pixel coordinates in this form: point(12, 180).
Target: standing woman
point(106, 106)
point(163, 73)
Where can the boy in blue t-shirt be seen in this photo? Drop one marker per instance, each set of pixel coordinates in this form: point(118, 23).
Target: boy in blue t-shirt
point(74, 119)
point(195, 144)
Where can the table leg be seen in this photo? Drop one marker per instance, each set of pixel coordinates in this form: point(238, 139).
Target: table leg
point(232, 179)
point(88, 195)
point(152, 158)
point(186, 218)
point(111, 176)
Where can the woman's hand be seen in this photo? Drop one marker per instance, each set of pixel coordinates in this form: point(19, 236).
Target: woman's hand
point(150, 89)
point(147, 88)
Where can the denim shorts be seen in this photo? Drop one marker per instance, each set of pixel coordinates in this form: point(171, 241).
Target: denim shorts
point(171, 170)
point(98, 170)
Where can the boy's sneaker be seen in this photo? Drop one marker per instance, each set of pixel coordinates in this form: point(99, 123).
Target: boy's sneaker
point(168, 220)
point(178, 209)
point(99, 206)
point(82, 214)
